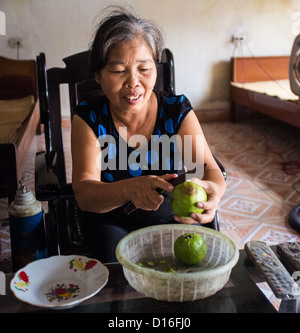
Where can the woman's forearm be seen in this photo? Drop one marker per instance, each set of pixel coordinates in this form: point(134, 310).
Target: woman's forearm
point(101, 197)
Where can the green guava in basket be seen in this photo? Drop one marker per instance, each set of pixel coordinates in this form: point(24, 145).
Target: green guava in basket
point(190, 248)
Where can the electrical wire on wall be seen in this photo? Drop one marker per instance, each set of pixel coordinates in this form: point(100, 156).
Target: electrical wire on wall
point(18, 49)
point(16, 43)
point(239, 45)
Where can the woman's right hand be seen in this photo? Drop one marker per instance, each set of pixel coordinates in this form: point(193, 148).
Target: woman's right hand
point(143, 191)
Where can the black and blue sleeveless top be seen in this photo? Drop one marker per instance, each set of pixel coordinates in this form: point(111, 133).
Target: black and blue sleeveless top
point(121, 161)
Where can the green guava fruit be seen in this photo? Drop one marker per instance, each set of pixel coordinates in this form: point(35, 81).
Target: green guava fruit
point(184, 199)
point(190, 248)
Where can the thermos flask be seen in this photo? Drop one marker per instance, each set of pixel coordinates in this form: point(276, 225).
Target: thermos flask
point(26, 228)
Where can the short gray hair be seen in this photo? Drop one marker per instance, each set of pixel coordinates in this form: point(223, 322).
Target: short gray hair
point(121, 25)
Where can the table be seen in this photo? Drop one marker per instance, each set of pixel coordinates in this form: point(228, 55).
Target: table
point(239, 295)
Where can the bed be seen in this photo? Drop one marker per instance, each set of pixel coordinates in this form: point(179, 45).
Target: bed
point(262, 84)
point(19, 120)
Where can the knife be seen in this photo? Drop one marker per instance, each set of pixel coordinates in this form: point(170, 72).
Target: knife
point(130, 207)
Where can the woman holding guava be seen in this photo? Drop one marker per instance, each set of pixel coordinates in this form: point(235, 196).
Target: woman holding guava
point(123, 61)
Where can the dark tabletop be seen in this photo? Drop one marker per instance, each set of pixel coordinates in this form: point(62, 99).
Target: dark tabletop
point(239, 295)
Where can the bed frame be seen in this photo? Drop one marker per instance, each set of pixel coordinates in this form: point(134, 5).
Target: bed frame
point(18, 79)
point(250, 69)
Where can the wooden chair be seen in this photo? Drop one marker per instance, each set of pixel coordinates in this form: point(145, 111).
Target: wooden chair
point(65, 227)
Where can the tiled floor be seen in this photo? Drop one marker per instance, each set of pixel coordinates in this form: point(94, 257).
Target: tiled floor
point(262, 159)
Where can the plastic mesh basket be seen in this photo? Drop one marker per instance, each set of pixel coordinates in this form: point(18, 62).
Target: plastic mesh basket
point(155, 245)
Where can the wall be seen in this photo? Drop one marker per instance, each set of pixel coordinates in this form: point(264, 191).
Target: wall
point(199, 32)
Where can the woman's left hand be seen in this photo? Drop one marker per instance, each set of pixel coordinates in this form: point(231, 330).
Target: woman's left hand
point(209, 206)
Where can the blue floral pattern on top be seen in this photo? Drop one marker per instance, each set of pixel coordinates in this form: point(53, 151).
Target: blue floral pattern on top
point(171, 112)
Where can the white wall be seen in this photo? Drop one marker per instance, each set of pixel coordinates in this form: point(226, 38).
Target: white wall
point(198, 32)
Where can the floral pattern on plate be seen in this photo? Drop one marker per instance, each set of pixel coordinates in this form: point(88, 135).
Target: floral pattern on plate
point(62, 292)
point(23, 283)
point(79, 264)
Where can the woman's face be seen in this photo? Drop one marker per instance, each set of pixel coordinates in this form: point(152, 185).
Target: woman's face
point(129, 76)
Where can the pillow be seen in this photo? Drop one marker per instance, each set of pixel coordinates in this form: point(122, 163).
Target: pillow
point(12, 114)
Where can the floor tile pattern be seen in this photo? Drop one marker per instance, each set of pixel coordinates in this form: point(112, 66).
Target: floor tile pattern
point(262, 158)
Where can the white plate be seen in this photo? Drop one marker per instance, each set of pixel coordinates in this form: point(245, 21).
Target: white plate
point(59, 282)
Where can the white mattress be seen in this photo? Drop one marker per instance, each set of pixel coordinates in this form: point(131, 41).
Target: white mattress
point(279, 88)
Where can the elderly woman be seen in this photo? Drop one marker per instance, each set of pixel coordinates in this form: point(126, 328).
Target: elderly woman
point(123, 122)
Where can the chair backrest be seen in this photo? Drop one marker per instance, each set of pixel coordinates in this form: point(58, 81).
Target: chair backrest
point(82, 86)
